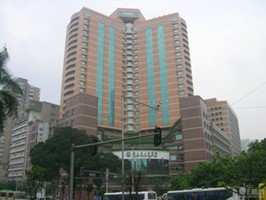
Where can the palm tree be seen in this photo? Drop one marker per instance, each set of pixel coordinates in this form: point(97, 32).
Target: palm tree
point(9, 90)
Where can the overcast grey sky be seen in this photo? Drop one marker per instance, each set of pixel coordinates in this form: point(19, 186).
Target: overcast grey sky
point(227, 45)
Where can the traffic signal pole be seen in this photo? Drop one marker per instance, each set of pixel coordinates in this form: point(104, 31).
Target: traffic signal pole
point(73, 148)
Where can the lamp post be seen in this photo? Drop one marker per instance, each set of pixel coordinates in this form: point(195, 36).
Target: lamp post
point(123, 146)
point(133, 167)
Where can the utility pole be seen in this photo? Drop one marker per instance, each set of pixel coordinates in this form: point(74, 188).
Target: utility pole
point(123, 148)
point(106, 179)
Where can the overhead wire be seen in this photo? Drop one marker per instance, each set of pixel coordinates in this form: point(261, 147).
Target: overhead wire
point(248, 93)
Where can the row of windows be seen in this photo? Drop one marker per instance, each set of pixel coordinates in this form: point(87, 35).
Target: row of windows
point(217, 113)
point(216, 108)
point(217, 119)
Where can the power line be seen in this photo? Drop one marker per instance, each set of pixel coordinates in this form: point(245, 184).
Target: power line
point(249, 93)
point(249, 107)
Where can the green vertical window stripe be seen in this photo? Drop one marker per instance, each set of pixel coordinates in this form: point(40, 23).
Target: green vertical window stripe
point(99, 74)
point(111, 76)
point(163, 75)
point(150, 76)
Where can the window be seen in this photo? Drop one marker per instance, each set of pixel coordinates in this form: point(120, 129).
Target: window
point(82, 82)
point(181, 92)
point(82, 76)
point(175, 25)
point(179, 137)
point(82, 90)
point(180, 79)
point(176, 31)
point(180, 157)
point(180, 85)
point(177, 54)
point(179, 73)
point(83, 62)
point(179, 66)
point(172, 158)
point(83, 69)
point(84, 56)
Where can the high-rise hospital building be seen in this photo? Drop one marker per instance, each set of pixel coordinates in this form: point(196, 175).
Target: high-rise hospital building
point(136, 68)
point(125, 74)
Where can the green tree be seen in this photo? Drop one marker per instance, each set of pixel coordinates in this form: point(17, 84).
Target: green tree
point(54, 155)
point(207, 174)
point(251, 165)
point(248, 168)
point(35, 180)
point(9, 89)
point(8, 185)
point(180, 182)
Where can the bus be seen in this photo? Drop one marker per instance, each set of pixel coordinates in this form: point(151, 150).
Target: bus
point(262, 191)
point(12, 195)
point(142, 195)
point(203, 194)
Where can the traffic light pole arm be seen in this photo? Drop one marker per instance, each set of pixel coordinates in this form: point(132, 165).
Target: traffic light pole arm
point(152, 107)
point(73, 147)
point(111, 141)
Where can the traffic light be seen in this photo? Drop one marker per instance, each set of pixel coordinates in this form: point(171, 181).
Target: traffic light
point(81, 170)
point(94, 149)
point(157, 136)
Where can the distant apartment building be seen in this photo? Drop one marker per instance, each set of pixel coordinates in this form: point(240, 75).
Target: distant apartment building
point(33, 125)
point(222, 115)
point(29, 92)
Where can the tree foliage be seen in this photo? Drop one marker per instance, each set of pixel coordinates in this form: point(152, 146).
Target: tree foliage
point(180, 182)
point(9, 89)
point(34, 181)
point(54, 155)
point(248, 168)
